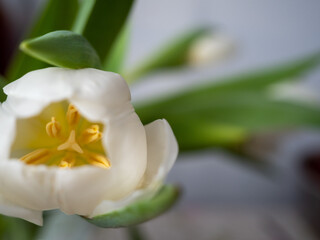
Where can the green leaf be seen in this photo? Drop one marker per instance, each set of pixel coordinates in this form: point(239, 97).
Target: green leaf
point(140, 211)
point(57, 15)
point(227, 124)
point(173, 54)
point(118, 52)
point(227, 120)
point(9, 226)
point(100, 21)
point(265, 77)
point(62, 49)
point(253, 81)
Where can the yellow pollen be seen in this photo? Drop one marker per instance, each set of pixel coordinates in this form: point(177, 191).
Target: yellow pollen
point(36, 157)
point(73, 116)
point(98, 160)
point(71, 144)
point(53, 128)
point(90, 135)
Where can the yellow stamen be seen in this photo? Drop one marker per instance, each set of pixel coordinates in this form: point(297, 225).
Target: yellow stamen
point(67, 162)
point(36, 157)
point(53, 128)
point(98, 160)
point(71, 144)
point(90, 135)
point(73, 116)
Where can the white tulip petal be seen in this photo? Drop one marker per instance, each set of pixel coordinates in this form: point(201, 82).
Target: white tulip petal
point(12, 210)
point(81, 189)
point(101, 95)
point(7, 132)
point(49, 84)
point(28, 186)
point(22, 107)
point(162, 150)
point(97, 94)
point(126, 144)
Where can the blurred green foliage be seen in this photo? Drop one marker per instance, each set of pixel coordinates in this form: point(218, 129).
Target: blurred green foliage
point(101, 21)
point(115, 62)
point(56, 15)
point(17, 229)
point(226, 112)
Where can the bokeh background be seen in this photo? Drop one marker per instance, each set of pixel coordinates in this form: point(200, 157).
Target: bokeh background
point(223, 199)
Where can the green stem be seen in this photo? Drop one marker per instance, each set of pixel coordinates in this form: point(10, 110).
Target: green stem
point(135, 233)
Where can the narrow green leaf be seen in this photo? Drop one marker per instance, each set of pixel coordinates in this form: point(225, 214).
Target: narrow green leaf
point(228, 120)
point(62, 49)
point(118, 52)
point(57, 15)
point(254, 81)
point(172, 54)
point(265, 77)
point(100, 21)
point(140, 211)
point(85, 10)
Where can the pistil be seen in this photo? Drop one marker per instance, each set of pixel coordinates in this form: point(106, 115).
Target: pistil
point(71, 144)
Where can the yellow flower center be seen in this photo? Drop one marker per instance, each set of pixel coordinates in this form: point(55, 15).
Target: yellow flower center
point(73, 142)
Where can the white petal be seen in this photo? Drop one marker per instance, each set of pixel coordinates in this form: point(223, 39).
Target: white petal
point(96, 93)
point(162, 150)
point(101, 94)
point(7, 133)
point(82, 189)
point(12, 210)
point(23, 107)
point(51, 84)
point(29, 186)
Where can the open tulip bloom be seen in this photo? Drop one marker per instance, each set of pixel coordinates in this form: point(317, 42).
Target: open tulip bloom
point(71, 140)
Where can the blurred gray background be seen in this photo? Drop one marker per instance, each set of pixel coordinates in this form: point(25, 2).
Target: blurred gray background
point(222, 198)
point(265, 32)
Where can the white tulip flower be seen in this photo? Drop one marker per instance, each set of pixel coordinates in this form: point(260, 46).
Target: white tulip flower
point(71, 140)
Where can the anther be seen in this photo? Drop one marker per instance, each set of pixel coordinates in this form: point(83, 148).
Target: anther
point(53, 128)
point(36, 157)
point(98, 160)
point(67, 162)
point(73, 115)
point(91, 134)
